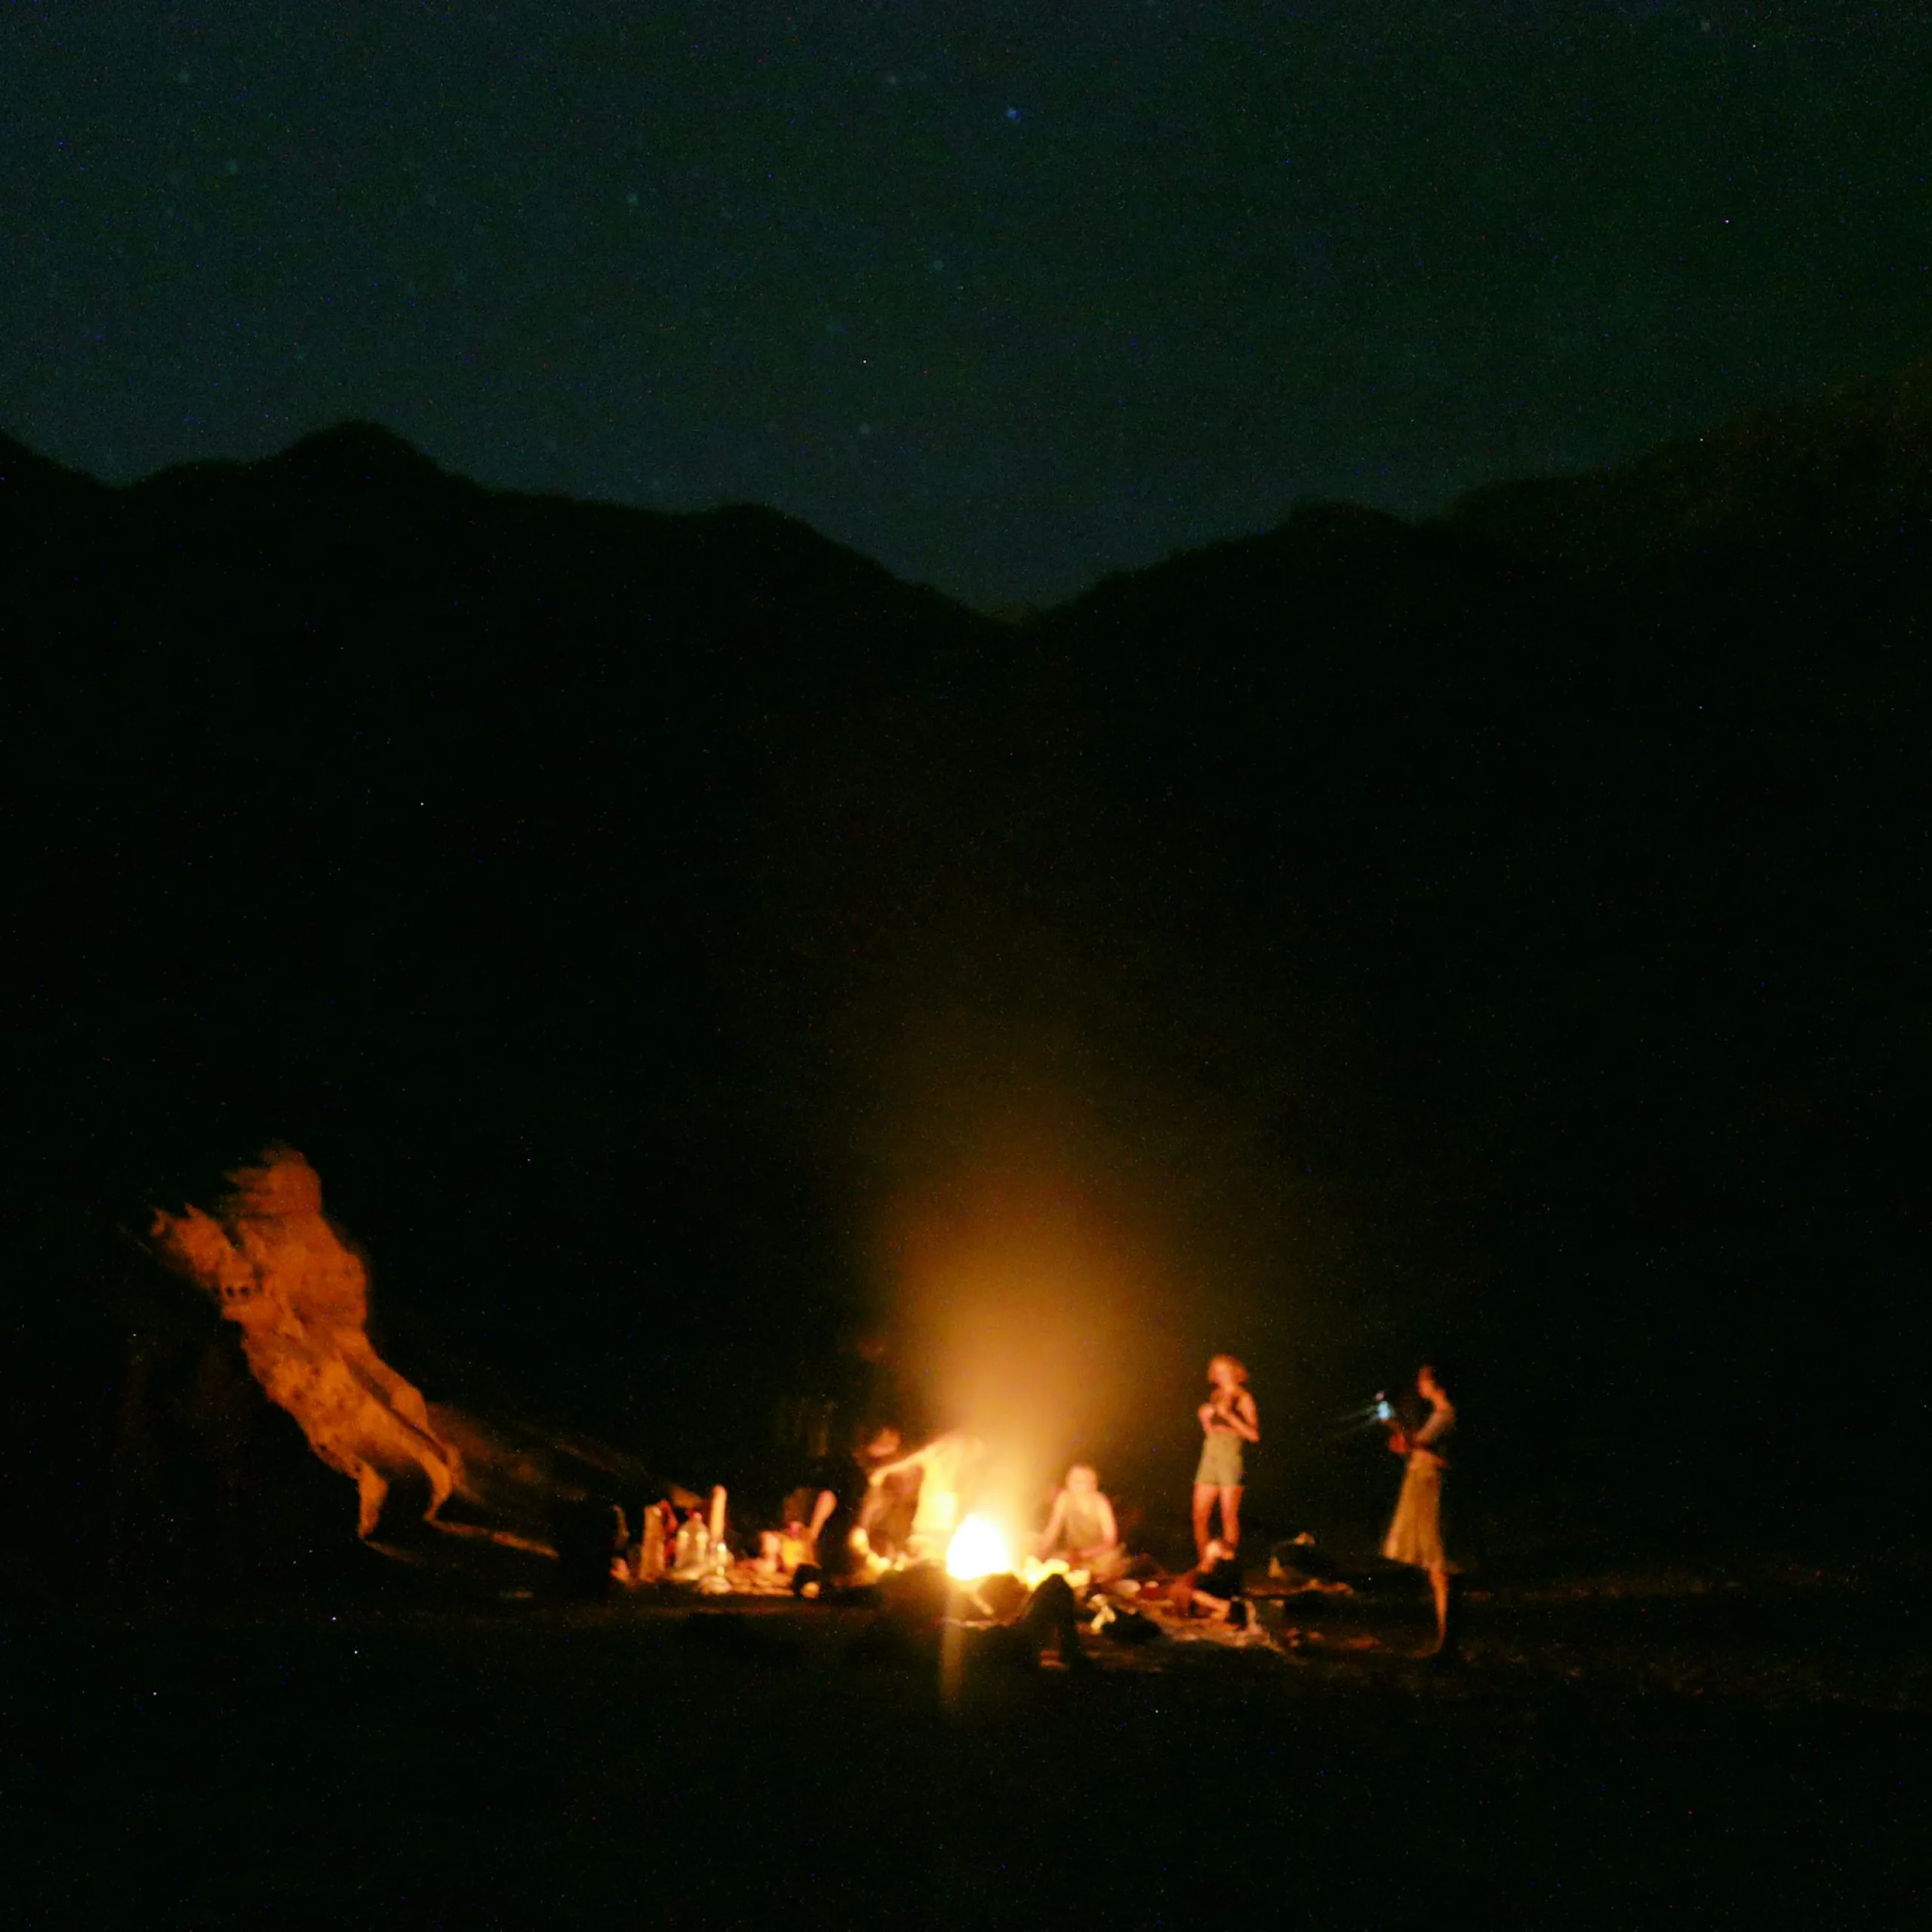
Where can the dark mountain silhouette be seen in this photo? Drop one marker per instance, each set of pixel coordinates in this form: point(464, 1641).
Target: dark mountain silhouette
point(1499, 933)
point(353, 454)
point(28, 478)
point(1836, 478)
point(37, 496)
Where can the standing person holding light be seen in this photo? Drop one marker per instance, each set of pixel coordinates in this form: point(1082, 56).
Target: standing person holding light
point(1228, 1419)
point(1415, 1534)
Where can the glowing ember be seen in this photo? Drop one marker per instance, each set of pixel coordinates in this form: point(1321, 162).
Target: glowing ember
point(977, 1549)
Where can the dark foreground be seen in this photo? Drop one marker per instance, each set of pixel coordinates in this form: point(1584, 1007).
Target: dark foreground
point(1654, 1753)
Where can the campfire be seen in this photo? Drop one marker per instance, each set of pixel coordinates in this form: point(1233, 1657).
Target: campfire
point(978, 1550)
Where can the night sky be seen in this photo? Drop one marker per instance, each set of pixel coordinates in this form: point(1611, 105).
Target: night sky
point(1007, 295)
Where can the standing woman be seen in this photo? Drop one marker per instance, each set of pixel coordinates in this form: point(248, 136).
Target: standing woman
point(1415, 1535)
point(1228, 1419)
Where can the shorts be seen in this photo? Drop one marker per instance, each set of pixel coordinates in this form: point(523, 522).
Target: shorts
point(1220, 1462)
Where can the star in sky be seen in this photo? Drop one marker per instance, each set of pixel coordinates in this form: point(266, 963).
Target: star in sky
point(1240, 257)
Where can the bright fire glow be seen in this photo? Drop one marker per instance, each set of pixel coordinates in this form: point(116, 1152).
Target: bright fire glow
point(977, 1549)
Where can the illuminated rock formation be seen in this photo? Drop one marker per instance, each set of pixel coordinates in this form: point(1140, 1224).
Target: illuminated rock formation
point(281, 1273)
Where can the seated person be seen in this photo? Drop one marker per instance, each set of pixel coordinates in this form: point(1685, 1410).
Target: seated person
point(790, 1546)
point(1081, 1528)
point(839, 1553)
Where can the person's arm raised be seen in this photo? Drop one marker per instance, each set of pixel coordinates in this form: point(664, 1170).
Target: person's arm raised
point(915, 1461)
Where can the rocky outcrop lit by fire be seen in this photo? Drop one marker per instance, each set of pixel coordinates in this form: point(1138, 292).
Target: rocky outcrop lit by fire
point(279, 1271)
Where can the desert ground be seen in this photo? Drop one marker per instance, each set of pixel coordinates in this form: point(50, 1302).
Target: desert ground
point(1627, 1749)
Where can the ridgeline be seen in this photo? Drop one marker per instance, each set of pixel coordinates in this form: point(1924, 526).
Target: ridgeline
point(1503, 933)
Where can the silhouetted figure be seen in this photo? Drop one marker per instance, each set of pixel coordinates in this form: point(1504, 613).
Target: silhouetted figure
point(843, 1397)
point(922, 1616)
point(587, 1533)
point(836, 1532)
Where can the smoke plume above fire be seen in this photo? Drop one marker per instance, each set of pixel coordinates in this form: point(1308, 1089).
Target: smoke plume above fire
point(1028, 1286)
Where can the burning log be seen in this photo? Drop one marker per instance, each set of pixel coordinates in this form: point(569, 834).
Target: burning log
point(276, 1267)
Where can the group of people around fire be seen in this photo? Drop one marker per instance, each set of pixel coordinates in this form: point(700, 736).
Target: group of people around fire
point(881, 1504)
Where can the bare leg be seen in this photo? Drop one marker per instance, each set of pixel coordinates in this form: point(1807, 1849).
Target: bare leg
point(1204, 1494)
point(1231, 1517)
point(1438, 1588)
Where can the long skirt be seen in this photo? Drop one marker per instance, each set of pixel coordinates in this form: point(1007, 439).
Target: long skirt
point(1415, 1535)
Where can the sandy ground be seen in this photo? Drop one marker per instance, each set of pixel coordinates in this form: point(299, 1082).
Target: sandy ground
point(1622, 1751)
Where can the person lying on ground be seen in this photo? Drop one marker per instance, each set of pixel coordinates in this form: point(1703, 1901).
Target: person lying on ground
point(1214, 1588)
point(1081, 1528)
point(1000, 1624)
